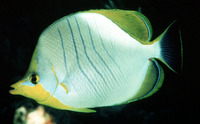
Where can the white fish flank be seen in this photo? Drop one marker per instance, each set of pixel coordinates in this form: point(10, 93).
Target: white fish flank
point(100, 64)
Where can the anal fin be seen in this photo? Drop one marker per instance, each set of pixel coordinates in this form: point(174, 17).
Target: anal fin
point(84, 110)
point(152, 82)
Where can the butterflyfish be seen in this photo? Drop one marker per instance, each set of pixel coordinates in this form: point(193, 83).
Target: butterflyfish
point(99, 58)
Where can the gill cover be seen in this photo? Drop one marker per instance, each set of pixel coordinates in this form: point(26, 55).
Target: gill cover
point(36, 82)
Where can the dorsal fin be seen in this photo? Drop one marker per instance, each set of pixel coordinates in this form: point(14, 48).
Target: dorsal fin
point(132, 22)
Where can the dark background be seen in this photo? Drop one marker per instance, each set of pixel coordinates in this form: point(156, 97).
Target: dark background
point(22, 21)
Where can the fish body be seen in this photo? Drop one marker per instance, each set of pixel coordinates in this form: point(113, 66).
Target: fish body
point(99, 58)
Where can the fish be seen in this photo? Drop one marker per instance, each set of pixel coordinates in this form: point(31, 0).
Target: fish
point(99, 58)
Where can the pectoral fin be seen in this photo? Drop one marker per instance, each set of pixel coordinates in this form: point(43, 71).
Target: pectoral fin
point(65, 87)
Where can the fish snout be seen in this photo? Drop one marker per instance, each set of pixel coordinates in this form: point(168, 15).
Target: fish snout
point(15, 88)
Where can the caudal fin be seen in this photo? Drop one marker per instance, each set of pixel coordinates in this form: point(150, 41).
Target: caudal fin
point(171, 47)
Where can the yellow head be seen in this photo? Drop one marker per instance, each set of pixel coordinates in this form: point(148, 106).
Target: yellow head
point(40, 81)
point(31, 88)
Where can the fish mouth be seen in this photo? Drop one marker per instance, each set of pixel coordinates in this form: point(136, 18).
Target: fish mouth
point(16, 87)
point(13, 89)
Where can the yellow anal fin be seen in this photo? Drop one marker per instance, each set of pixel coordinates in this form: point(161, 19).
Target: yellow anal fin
point(152, 82)
point(63, 85)
point(56, 103)
point(84, 110)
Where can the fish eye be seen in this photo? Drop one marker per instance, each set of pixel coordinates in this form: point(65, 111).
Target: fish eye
point(34, 78)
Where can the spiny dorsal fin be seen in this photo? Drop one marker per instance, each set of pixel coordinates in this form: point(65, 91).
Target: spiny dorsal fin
point(132, 22)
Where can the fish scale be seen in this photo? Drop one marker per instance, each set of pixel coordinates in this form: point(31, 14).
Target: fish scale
point(100, 61)
point(110, 82)
point(99, 51)
point(77, 52)
point(100, 81)
point(85, 59)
